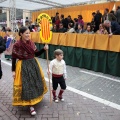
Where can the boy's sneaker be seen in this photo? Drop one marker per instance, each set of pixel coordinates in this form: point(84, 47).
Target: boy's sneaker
point(32, 111)
point(61, 98)
point(55, 100)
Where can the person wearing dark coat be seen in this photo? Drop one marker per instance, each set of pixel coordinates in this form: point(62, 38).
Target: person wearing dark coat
point(67, 21)
point(80, 29)
point(61, 28)
point(2, 49)
point(97, 20)
point(112, 27)
point(62, 20)
point(108, 16)
point(54, 18)
point(117, 14)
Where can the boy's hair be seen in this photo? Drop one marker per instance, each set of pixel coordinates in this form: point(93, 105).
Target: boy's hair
point(58, 52)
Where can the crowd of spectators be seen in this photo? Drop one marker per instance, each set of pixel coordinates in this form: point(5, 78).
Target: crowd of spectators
point(108, 23)
point(32, 27)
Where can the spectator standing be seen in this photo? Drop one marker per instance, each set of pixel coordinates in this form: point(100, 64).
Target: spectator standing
point(67, 21)
point(18, 26)
point(3, 29)
point(57, 22)
point(54, 18)
point(97, 20)
point(108, 16)
point(62, 20)
point(113, 12)
point(93, 20)
point(118, 14)
point(80, 20)
point(75, 24)
point(9, 45)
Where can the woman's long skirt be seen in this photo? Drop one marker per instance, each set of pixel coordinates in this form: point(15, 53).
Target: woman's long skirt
point(29, 83)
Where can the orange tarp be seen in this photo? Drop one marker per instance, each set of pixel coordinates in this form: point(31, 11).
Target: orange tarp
point(88, 41)
point(74, 11)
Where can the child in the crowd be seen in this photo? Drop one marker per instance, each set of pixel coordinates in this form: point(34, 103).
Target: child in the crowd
point(57, 68)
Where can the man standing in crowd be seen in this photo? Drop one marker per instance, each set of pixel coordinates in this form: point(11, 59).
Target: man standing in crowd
point(67, 21)
point(93, 21)
point(118, 14)
point(113, 27)
point(97, 20)
point(108, 16)
point(54, 18)
point(62, 20)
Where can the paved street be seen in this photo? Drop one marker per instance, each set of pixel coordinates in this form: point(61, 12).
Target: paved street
point(75, 107)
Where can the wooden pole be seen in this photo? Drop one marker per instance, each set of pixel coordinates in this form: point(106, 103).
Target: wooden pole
point(49, 76)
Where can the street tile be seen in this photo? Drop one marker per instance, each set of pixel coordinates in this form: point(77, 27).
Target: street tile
point(75, 107)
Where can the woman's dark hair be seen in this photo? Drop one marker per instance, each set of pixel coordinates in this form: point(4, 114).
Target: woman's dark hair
point(107, 9)
point(57, 13)
point(3, 28)
point(75, 19)
point(80, 16)
point(90, 26)
point(22, 30)
point(89, 23)
point(33, 26)
point(112, 11)
point(62, 16)
point(93, 13)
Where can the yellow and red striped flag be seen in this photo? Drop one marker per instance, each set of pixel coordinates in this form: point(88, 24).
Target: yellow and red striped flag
point(45, 23)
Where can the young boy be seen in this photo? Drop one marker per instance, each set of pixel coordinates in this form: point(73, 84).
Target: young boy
point(57, 68)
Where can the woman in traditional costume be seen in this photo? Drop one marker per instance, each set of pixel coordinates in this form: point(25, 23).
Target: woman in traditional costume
point(29, 82)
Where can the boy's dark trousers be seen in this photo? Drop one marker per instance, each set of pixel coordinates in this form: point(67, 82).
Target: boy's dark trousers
point(61, 81)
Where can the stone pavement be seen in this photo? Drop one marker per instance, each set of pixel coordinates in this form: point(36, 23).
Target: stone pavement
point(75, 107)
point(98, 84)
